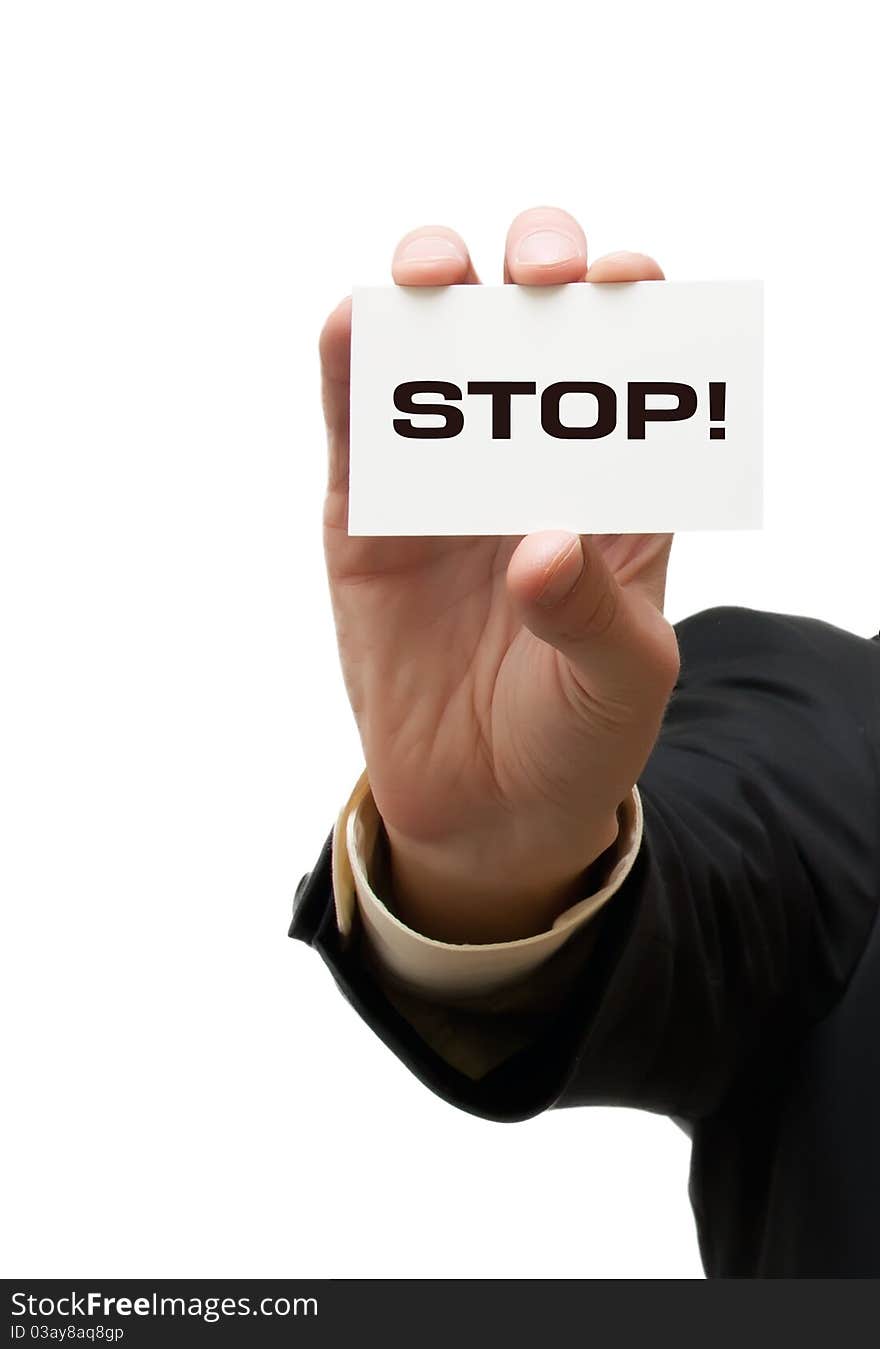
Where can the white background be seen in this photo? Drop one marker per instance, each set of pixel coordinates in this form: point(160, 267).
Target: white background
point(187, 190)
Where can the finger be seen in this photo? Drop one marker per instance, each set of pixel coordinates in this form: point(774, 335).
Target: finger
point(335, 352)
point(545, 247)
point(433, 255)
point(625, 267)
point(567, 596)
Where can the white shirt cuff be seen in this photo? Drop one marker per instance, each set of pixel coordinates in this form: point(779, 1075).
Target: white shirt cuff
point(448, 970)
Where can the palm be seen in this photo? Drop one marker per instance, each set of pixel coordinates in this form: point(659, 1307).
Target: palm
point(461, 707)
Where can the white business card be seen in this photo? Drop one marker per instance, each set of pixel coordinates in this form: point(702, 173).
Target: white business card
point(613, 408)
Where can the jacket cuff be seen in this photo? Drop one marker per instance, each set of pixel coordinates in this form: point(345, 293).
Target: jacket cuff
point(447, 971)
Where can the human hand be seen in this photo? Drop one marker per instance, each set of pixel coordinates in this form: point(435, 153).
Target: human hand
point(508, 691)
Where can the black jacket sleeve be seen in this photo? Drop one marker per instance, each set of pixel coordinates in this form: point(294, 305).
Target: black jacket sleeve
point(747, 908)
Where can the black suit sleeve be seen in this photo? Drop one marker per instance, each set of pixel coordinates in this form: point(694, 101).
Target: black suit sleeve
point(747, 907)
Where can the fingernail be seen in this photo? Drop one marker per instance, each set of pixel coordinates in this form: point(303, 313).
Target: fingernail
point(431, 248)
point(544, 248)
point(563, 573)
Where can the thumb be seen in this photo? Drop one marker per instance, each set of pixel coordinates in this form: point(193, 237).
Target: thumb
point(622, 651)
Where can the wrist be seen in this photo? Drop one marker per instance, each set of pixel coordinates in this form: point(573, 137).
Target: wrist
point(472, 891)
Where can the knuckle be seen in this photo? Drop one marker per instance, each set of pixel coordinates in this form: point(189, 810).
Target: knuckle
point(587, 617)
point(602, 613)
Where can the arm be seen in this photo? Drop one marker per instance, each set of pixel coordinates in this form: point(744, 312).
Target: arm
point(509, 694)
point(737, 924)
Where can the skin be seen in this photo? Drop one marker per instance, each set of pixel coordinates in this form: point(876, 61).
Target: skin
point(508, 691)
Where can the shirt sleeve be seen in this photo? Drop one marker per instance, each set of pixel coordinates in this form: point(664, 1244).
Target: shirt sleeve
point(473, 1004)
point(449, 971)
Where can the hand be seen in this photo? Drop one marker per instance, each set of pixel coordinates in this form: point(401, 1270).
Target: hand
point(508, 692)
